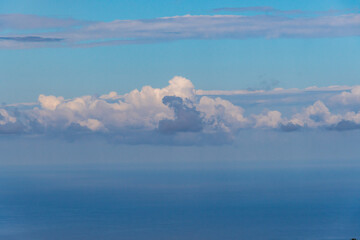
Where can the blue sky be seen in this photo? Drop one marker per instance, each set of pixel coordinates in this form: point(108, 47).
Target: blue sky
point(97, 10)
point(210, 64)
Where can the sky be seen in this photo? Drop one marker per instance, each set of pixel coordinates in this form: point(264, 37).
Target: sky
point(218, 61)
point(135, 71)
point(190, 119)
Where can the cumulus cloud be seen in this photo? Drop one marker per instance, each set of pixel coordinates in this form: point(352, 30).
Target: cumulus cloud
point(220, 114)
point(316, 115)
point(170, 114)
point(175, 114)
point(50, 102)
point(5, 117)
point(71, 33)
point(350, 121)
point(345, 125)
point(8, 123)
point(187, 119)
point(348, 97)
point(271, 119)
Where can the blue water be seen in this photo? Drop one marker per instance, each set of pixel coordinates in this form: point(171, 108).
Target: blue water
point(114, 203)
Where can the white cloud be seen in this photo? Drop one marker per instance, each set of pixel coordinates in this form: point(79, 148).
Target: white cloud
point(348, 97)
point(111, 95)
point(221, 114)
point(142, 110)
point(271, 119)
point(50, 102)
point(274, 91)
point(92, 124)
point(5, 117)
point(140, 31)
point(171, 114)
point(353, 117)
point(224, 92)
point(138, 109)
point(316, 115)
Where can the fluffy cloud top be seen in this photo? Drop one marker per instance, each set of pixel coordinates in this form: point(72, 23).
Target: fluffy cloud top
point(347, 98)
point(221, 114)
point(315, 115)
point(171, 114)
point(271, 119)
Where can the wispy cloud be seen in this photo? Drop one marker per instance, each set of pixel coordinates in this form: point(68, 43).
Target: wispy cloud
point(31, 39)
point(258, 9)
point(177, 114)
point(72, 33)
point(275, 11)
point(334, 88)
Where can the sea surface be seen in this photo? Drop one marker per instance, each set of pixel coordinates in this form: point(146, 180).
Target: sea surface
point(88, 203)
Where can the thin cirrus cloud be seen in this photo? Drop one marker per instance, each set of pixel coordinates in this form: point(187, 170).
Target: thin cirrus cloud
point(271, 10)
point(31, 39)
point(177, 114)
point(259, 9)
point(56, 32)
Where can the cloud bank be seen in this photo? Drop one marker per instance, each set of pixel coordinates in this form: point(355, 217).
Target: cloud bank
point(176, 114)
point(22, 31)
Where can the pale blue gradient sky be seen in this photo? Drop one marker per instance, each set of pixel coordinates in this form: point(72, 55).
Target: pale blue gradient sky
point(209, 64)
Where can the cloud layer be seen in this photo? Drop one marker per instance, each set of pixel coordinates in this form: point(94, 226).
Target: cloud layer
point(22, 31)
point(176, 114)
